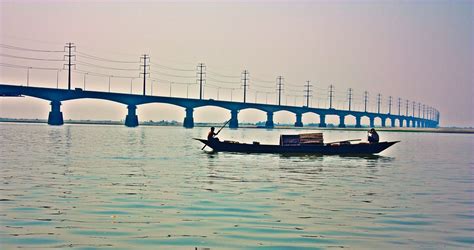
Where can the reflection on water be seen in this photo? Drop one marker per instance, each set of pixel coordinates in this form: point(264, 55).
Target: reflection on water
point(109, 186)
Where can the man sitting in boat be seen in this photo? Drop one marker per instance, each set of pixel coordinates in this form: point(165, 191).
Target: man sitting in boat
point(211, 135)
point(373, 136)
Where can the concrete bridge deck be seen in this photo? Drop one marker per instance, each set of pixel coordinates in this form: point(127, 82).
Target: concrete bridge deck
point(57, 96)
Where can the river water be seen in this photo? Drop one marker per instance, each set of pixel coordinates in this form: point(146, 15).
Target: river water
point(91, 186)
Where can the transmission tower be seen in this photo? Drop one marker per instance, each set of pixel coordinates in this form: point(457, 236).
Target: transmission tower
point(349, 96)
point(366, 99)
point(331, 93)
point(245, 79)
point(389, 104)
point(145, 58)
point(379, 100)
point(279, 85)
point(69, 47)
point(307, 92)
point(399, 104)
point(406, 113)
point(419, 110)
point(201, 67)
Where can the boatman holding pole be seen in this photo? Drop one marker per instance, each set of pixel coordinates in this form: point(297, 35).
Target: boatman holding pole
point(211, 135)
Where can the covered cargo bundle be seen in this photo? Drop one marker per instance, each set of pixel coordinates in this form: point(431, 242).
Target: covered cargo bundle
point(289, 140)
point(301, 139)
point(311, 138)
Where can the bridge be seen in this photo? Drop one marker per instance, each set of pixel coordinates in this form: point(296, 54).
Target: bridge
point(132, 101)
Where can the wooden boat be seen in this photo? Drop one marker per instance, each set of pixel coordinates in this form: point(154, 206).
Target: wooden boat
point(300, 144)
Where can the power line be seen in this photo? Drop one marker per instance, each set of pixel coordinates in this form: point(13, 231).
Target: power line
point(105, 67)
point(221, 75)
point(219, 87)
point(169, 68)
point(101, 74)
point(260, 86)
point(26, 67)
point(85, 55)
point(6, 46)
point(173, 82)
point(220, 81)
point(292, 85)
point(32, 58)
point(260, 80)
point(171, 75)
point(295, 91)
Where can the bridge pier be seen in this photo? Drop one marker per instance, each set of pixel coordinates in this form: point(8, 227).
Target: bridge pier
point(189, 119)
point(299, 122)
point(341, 121)
point(358, 125)
point(372, 122)
point(234, 121)
point(322, 121)
point(383, 121)
point(131, 120)
point(392, 122)
point(418, 124)
point(269, 122)
point(401, 122)
point(55, 117)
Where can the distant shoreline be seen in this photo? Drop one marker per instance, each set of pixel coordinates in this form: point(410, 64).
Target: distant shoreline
point(249, 125)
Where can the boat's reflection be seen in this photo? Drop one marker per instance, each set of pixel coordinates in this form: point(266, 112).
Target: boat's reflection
point(213, 154)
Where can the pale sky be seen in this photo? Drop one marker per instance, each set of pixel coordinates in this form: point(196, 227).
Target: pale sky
point(420, 51)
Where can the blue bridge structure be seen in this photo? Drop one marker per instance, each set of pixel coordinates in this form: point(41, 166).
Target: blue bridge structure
point(132, 101)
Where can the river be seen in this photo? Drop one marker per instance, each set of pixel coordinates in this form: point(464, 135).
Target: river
point(92, 186)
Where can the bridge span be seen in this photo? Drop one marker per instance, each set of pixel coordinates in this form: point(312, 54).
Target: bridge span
point(57, 96)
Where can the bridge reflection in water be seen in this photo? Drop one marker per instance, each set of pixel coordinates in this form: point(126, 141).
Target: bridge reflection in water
point(57, 96)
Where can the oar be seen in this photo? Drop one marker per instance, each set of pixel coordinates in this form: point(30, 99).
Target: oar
point(343, 141)
point(217, 132)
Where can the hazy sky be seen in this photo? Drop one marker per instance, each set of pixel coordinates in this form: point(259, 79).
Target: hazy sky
point(422, 51)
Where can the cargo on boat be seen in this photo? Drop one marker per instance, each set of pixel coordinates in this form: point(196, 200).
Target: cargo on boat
point(311, 143)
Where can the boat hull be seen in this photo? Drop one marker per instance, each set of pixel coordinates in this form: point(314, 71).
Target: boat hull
point(331, 149)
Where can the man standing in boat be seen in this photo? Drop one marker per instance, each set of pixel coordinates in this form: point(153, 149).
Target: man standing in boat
point(211, 135)
point(373, 136)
